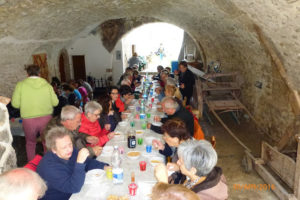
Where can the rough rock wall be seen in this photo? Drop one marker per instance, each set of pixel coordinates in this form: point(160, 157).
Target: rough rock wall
point(8, 158)
point(223, 29)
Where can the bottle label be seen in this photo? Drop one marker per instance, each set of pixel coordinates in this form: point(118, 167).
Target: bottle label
point(118, 176)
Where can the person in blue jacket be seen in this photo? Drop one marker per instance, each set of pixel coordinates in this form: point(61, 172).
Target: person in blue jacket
point(63, 167)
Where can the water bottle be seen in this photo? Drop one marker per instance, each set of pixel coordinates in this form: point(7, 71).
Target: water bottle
point(116, 164)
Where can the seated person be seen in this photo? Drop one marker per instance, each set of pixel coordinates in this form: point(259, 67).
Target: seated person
point(124, 99)
point(163, 191)
point(159, 69)
point(127, 79)
point(170, 91)
point(21, 183)
point(108, 115)
point(63, 167)
point(163, 78)
point(175, 133)
point(173, 110)
point(114, 95)
point(70, 118)
point(90, 124)
point(170, 73)
point(197, 161)
point(68, 93)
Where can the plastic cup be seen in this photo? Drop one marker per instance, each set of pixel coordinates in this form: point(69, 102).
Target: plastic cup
point(109, 173)
point(148, 115)
point(143, 165)
point(140, 141)
point(148, 148)
point(132, 189)
point(142, 116)
point(137, 116)
point(144, 125)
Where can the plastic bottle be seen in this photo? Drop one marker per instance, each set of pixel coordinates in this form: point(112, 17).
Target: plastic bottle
point(116, 164)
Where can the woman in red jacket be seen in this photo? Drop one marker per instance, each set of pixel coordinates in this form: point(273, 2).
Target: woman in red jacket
point(90, 125)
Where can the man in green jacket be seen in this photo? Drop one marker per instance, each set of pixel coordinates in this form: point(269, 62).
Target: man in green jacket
point(35, 98)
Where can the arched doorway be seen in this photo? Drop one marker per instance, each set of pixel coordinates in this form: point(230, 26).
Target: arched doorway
point(64, 66)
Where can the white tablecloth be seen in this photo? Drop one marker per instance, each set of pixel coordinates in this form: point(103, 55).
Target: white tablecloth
point(98, 187)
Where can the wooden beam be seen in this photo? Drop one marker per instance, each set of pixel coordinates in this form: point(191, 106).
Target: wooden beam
point(229, 131)
point(280, 191)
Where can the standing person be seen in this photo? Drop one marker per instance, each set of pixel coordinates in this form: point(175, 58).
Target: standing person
point(88, 88)
point(186, 81)
point(134, 60)
point(35, 98)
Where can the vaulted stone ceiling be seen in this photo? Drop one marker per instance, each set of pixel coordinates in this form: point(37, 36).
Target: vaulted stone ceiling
point(231, 31)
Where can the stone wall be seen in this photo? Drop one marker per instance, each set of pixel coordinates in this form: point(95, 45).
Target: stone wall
point(8, 158)
point(223, 29)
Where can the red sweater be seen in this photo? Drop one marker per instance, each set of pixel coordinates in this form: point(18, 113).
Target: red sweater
point(93, 129)
point(120, 104)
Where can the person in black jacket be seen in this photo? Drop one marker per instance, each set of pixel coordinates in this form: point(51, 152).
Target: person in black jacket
point(186, 81)
point(173, 110)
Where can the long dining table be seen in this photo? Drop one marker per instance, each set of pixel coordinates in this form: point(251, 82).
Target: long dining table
point(97, 186)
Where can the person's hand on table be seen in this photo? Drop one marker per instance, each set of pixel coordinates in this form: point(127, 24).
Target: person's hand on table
point(159, 109)
point(92, 140)
point(157, 119)
point(110, 135)
point(82, 155)
point(172, 167)
point(107, 127)
point(148, 125)
point(158, 145)
point(97, 150)
point(106, 167)
point(161, 173)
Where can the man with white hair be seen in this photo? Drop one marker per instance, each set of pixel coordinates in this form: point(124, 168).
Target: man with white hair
point(70, 118)
point(173, 110)
point(21, 183)
point(63, 167)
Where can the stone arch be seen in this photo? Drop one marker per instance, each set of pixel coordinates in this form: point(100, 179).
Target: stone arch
point(63, 59)
point(111, 31)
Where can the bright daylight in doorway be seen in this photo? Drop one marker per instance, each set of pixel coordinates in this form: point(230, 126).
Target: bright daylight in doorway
point(155, 43)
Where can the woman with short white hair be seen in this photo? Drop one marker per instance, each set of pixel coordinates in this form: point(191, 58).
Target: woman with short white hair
point(197, 161)
point(90, 124)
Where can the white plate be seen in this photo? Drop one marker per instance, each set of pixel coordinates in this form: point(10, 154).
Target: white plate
point(157, 123)
point(133, 157)
point(155, 160)
point(131, 107)
point(139, 132)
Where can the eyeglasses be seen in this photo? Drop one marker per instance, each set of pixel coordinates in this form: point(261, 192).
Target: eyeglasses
point(115, 93)
point(97, 115)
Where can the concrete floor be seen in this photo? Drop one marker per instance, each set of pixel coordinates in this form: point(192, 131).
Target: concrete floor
point(230, 155)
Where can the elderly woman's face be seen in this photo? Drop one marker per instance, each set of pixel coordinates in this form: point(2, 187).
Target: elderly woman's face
point(172, 141)
point(94, 116)
point(64, 147)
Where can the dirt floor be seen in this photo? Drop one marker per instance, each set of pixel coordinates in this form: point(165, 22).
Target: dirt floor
point(231, 153)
